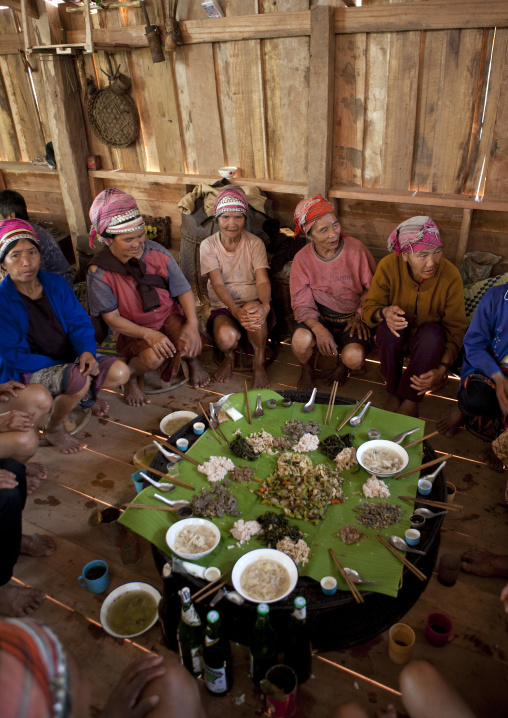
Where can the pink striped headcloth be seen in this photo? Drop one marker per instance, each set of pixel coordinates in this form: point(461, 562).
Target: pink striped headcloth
point(116, 212)
point(415, 235)
point(308, 211)
point(13, 229)
point(231, 199)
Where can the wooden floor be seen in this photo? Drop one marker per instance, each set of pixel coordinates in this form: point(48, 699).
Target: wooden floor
point(476, 662)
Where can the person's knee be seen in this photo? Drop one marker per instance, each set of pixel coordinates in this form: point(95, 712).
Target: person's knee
point(118, 374)
point(350, 709)
point(150, 360)
point(417, 673)
point(353, 356)
point(176, 688)
point(39, 398)
point(227, 337)
point(302, 341)
point(251, 305)
point(24, 445)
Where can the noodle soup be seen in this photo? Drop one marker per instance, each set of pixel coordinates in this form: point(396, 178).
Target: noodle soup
point(382, 458)
point(265, 580)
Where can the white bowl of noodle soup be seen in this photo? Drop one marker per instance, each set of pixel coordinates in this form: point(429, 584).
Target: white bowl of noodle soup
point(185, 537)
point(270, 582)
point(382, 458)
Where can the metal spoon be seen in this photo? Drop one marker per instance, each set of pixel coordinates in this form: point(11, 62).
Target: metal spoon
point(432, 476)
point(157, 484)
point(402, 545)
point(400, 437)
point(357, 420)
point(177, 503)
point(355, 576)
point(172, 457)
point(258, 411)
point(428, 514)
point(309, 406)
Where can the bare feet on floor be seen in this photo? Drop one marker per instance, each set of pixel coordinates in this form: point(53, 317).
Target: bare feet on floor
point(199, 377)
point(451, 423)
point(63, 441)
point(225, 369)
point(409, 408)
point(339, 374)
point(134, 394)
point(34, 474)
point(491, 459)
point(19, 601)
point(37, 545)
point(306, 380)
point(484, 563)
point(100, 408)
point(260, 377)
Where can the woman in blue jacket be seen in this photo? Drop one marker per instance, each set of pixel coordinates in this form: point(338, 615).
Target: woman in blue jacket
point(47, 337)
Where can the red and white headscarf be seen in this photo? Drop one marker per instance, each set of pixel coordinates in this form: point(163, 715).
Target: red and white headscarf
point(308, 211)
point(11, 230)
point(116, 212)
point(415, 235)
point(231, 199)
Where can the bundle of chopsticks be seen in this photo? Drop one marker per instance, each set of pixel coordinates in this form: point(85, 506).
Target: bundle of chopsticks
point(353, 412)
point(211, 425)
point(356, 593)
point(419, 574)
point(445, 505)
point(331, 403)
point(207, 591)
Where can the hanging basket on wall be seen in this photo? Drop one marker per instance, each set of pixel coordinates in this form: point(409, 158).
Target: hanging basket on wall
point(114, 118)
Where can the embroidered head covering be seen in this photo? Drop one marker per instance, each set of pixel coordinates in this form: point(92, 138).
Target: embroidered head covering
point(34, 679)
point(308, 211)
point(414, 235)
point(231, 199)
point(11, 230)
point(115, 212)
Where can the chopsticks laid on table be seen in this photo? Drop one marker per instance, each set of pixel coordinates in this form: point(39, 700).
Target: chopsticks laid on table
point(419, 574)
point(207, 588)
point(177, 451)
point(331, 403)
point(430, 502)
point(210, 423)
point(423, 466)
point(172, 480)
point(417, 441)
point(212, 590)
point(246, 392)
point(147, 506)
point(356, 593)
point(349, 416)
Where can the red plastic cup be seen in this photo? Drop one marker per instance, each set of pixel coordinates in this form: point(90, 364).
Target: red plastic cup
point(284, 678)
point(439, 629)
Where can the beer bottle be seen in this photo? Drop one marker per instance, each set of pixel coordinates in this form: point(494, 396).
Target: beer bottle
point(263, 645)
point(169, 608)
point(190, 635)
point(297, 648)
point(216, 657)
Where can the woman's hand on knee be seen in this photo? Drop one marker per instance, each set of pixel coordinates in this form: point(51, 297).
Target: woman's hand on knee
point(356, 326)
point(10, 387)
point(324, 340)
point(189, 341)
point(425, 382)
point(88, 365)
point(124, 701)
point(7, 479)
point(16, 421)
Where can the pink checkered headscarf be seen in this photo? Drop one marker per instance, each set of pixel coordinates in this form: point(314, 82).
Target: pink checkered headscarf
point(308, 211)
point(13, 229)
point(415, 235)
point(231, 199)
point(116, 212)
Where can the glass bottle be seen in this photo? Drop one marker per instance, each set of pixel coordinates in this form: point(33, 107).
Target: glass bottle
point(297, 648)
point(216, 657)
point(190, 635)
point(263, 645)
point(169, 608)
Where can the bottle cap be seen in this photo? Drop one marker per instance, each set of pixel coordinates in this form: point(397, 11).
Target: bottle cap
point(263, 609)
point(299, 602)
point(212, 616)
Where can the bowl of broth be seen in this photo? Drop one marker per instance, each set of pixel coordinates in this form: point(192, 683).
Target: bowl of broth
point(193, 539)
point(174, 421)
point(130, 610)
point(382, 457)
point(264, 575)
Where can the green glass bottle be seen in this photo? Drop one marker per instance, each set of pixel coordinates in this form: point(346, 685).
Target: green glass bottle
point(263, 645)
point(216, 657)
point(190, 635)
point(297, 648)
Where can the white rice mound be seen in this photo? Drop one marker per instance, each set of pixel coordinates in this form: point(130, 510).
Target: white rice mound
point(261, 442)
point(216, 468)
point(299, 551)
point(242, 530)
point(345, 459)
point(308, 442)
point(374, 487)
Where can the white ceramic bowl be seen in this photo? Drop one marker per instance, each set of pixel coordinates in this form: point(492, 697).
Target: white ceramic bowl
point(175, 529)
point(264, 553)
point(227, 172)
point(187, 415)
point(128, 588)
point(382, 444)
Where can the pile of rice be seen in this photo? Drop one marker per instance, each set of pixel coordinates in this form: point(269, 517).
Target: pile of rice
point(243, 530)
point(308, 442)
point(298, 551)
point(374, 487)
point(216, 468)
point(345, 459)
point(261, 442)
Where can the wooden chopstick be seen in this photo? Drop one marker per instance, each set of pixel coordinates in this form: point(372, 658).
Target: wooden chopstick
point(208, 593)
point(246, 391)
point(207, 587)
point(210, 422)
point(356, 593)
point(180, 453)
point(348, 417)
point(431, 502)
point(147, 506)
point(172, 480)
point(331, 403)
point(423, 466)
point(424, 438)
point(419, 574)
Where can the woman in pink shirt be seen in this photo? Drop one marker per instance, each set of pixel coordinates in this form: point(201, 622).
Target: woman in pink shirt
point(329, 279)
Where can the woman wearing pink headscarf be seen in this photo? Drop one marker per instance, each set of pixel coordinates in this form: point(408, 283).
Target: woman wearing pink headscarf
point(238, 286)
point(416, 301)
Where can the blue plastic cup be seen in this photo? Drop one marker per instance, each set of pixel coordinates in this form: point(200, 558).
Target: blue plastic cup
point(182, 444)
point(198, 428)
point(138, 481)
point(412, 537)
point(424, 487)
point(95, 576)
point(329, 585)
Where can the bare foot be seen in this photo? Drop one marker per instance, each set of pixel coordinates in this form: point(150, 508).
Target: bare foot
point(225, 369)
point(392, 403)
point(484, 563)
point(199, 377)
point(451, 423)
point(63, 441)
point(260, 379)
point(100, 407)
point(492, 460)
point(34, 474)
point(306, 380)
point(18, 601)
point(37, 545)
point(134, 394)
point(339, 374)
point(409, 408)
